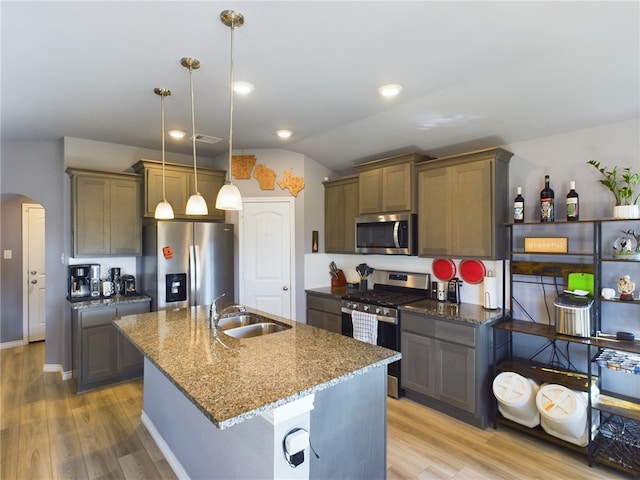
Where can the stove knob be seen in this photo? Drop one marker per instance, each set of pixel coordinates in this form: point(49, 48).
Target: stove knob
point(366, 308)
point(378, 310)
point(385, 311)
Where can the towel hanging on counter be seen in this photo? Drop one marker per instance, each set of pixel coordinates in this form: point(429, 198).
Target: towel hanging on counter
point(365, 327)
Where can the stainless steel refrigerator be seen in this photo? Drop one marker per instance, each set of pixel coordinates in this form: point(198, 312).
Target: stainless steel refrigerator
point(186, 263)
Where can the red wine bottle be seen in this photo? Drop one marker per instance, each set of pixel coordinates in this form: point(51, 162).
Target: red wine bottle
point(518, 207)
point(547, 213)
point(573, 210)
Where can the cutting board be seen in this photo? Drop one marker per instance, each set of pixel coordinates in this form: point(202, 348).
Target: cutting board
point(580, 281)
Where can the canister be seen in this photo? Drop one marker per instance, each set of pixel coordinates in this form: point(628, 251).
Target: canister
point(573, 314)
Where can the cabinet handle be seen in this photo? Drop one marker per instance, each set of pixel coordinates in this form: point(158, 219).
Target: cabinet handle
point(34, 281)
point(285, 288)
point(33, 272)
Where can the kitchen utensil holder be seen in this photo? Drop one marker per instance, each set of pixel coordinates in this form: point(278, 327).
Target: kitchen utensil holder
point(341, 281)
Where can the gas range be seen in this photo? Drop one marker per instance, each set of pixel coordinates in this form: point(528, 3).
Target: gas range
point(390, 290)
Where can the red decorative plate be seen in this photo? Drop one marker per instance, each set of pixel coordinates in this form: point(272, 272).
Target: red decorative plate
point(444, 269)
point(472, 271)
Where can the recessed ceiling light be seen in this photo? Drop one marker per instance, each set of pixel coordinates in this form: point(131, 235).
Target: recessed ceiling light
point(177, 134)
point(390, 90)
point(284, 133)
point(243, 88)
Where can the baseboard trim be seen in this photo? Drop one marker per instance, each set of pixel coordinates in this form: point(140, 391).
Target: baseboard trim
point(57, 368)
point(16, 343)
point(172, 460)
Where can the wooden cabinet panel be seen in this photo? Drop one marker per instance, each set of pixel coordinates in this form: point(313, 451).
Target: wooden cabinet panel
point(126, 221)
point(324, 312)
point(106, 213)
point(209, 185)
point(387, 185)
point(341, 210)
point(101, 354)
point(179, 185)
point(91, 215)
point(455, 375)
point(471, 207)
point(370, 192)
point(462, 205)
point(176, 189)
point(433, 212)
point(417, 364)
point(397, 188)
point(446, 364)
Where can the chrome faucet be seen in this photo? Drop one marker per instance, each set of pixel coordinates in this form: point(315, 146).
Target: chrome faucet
point(216, 316)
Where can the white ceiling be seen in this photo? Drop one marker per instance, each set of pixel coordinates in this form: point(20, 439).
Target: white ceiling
point(475, 74)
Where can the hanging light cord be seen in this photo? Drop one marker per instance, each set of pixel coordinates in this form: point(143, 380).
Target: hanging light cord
point(193, 130)
point(229, 176)
point(162, 96)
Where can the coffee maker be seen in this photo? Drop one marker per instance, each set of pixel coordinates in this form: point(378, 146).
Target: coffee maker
point(84, 281)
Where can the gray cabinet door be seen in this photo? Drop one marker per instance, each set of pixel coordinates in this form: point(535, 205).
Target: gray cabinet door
point(370, 191)
point(130, 361)
point(91, 216)
point(126, 221)
point(98, 345)
point(397, 188)
point(340, 212)
point(417, 363)
point(433, 212)
point(455, 380)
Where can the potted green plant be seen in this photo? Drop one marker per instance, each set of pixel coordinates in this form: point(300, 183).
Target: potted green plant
point(623, 188)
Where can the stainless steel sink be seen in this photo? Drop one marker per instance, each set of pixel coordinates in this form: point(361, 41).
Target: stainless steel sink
point(240, 320)
point(255, 329)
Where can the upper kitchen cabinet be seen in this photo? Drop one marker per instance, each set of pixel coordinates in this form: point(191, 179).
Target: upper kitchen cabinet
point(179, 185)
point(106, 211)
point(462, 204)
point(387, 185)
point(340, 212)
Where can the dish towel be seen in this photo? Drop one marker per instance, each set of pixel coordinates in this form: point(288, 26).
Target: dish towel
point(365, 327)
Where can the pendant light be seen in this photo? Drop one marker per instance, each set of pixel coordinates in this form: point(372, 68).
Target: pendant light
point(229, 196)
point(196, 204)
point(163, 209)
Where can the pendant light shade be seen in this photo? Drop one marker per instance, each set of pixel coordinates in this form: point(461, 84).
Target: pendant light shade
point(196, 204)
point(229, 197)
point(163, 209)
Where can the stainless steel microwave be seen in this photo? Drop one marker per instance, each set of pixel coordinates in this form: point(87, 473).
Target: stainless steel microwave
point(387, 234)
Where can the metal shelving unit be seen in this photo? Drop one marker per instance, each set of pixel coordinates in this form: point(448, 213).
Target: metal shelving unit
point(616, 442)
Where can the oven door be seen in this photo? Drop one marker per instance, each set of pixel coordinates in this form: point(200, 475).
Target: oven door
point(388, 337)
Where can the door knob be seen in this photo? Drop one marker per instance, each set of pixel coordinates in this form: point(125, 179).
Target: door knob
point(33, 272)
point(285, 288)
point(34, 281)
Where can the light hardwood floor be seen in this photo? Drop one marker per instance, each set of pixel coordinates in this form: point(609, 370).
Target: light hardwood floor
point(47, 431)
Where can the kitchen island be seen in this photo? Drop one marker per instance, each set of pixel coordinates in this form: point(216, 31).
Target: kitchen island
point(221, 407)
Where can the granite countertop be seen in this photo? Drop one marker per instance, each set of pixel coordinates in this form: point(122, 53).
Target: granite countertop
point(231, 380)
point(107, 301)
point(336, 292)
point(462, 312)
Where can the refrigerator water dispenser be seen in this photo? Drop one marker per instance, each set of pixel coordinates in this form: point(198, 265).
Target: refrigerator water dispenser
point(176, 287)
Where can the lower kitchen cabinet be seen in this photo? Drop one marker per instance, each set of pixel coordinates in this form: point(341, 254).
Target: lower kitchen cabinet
point(101, 354)
point(324, 312)
point(446, 365)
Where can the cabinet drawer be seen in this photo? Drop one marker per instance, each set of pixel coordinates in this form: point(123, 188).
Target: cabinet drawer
point(453, 332)
point(331, 305)
point(418, 324)
point(97, 316)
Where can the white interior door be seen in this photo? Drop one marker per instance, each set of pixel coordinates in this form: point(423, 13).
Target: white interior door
point(266, 253)
point(33, 241)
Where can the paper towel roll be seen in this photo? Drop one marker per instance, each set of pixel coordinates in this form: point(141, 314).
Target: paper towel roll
point(490, 295)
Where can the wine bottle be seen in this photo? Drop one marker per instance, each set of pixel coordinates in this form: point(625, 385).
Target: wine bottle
point(547, 202)
point(573, 210)
point(518, 207)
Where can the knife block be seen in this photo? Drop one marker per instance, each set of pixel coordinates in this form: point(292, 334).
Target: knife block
point(341, 281)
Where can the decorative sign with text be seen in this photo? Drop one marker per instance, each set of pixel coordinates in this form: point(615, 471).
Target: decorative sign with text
point(546, 244)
